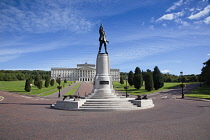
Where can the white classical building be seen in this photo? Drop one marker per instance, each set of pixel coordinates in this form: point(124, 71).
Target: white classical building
point(83, 72)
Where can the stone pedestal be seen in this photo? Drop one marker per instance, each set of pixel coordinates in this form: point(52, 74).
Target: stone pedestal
point(103, 87)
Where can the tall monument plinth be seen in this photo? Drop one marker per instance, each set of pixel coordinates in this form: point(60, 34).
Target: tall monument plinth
point(103, 87)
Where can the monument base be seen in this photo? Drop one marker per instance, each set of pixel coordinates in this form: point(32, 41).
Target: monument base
point(125, 104)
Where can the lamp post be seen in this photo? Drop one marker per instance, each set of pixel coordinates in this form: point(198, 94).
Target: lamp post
point(31, 88)
point(126, 78)
point(59, 87)
point(181, 75)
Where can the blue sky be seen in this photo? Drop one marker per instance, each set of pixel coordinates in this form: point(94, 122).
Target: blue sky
point(171, 34)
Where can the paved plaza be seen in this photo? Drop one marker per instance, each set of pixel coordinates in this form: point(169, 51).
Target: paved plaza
point(24, 117)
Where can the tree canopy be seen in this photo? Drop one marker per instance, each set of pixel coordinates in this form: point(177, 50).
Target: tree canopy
point(157, 78)
point(205, 72)
point(130, 78)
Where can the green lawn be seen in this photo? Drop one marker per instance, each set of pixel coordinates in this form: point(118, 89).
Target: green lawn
point(18, 86)
point(49, 92)
point(73, 90)
point(200, 92)
point(133, 91)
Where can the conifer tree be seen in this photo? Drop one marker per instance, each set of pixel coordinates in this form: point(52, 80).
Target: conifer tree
point(37, 79)
point(148, 81)
point(130, 78)
point(157, 78)
point(39, 85)
point(137, 71)
point(137, 81)
point(47, 82)
point(27, 85)
point(205, 74)
point(52, 82)
point(121, 80)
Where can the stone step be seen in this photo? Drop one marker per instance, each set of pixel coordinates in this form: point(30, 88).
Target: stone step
point(104, 103)
point(108, 100)
point(107, 109)
point(101, 105)
point(116, 106)
point(108, 104)
point(103, 97)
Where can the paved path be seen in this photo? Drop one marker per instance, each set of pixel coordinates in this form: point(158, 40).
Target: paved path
point(23, 117)
point(63, 91)
point(85, 89)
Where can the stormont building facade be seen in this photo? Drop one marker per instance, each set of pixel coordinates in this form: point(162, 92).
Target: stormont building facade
point(83, 73)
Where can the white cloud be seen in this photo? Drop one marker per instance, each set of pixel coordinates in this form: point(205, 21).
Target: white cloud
point(180, 21)
point(164, 25)
point(165, 71)
point(207, 20)
point(209, 54)
point(192, 9)
point(201, 14)
point(6, 58)
point(43, 16)
point(166, 17)
point(171, 16)
point(175, 5)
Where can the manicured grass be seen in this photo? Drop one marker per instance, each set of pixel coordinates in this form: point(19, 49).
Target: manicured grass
point(200, 92)
point(18, 86)
point(133, 91)
point(73, 90)
point(49, 92)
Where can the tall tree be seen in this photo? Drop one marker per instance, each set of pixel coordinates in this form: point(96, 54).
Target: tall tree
point(47, 82)
point(137, 81)
point(137, 71)
point(148, 81)
point(157, 78)
point(27, 85)
point(52, 82)
point(205, 74)
point(121, 80)
point(39, 84)
point(130, 78)
point(37, 79)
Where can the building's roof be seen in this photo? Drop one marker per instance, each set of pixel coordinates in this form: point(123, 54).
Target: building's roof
point(82, 66)
point(86, 65)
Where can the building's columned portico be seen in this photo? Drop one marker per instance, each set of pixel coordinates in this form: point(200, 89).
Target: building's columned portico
point(83, 72)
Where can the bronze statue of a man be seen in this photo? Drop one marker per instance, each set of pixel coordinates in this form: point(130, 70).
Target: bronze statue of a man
point(102, 39)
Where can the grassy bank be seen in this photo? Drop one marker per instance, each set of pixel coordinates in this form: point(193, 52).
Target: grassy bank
point(133, 91)
point(200, 92)
point(73, 90)
point(18, 86)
